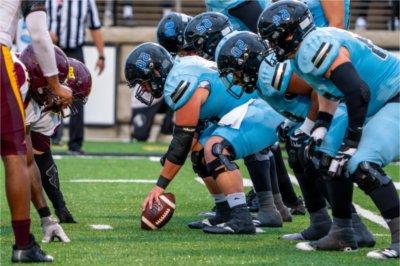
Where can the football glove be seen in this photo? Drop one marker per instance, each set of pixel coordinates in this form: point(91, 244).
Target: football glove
point(52, 229)
point(283, 129)
point(338, 164)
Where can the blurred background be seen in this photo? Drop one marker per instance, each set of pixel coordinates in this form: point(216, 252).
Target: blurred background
point(112, 113)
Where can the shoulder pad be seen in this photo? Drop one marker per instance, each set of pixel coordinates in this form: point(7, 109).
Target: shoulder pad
point(187, 74)
point(274, 80)
point(317, 52)
point(28, 6)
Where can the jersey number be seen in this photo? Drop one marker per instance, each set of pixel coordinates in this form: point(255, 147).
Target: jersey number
point(375, 50)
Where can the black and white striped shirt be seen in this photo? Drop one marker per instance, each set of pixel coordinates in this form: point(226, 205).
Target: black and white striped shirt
point(68, 19)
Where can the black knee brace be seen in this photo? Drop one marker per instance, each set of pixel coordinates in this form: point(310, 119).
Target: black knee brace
point(223, 162)
point(369, 176)
point(199, 163)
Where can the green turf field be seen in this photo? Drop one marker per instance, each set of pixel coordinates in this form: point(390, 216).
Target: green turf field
point(118, 205)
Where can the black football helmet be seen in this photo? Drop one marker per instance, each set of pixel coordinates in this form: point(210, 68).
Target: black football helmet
point(170, 31)
point(240, 54)
point(204, 32)
point(285, 24)
point(146, 70)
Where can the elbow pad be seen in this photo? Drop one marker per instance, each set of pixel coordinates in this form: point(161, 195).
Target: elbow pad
point(180, 144)
point(356, 94)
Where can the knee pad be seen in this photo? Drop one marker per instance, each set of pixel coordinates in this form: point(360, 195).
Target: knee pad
point(369, 176)
point(199, 163)
point(223, 162)
point(259, 156)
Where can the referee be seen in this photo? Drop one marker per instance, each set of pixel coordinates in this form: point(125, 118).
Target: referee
point(67, 22)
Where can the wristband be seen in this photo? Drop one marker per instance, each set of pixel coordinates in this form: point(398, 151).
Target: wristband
point(325, 117)
point(162, 182)
point(101, 57)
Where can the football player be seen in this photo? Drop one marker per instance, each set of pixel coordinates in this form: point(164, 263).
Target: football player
point(260, 166)
point(340, 65)
point(13, 148)
point(293, 98)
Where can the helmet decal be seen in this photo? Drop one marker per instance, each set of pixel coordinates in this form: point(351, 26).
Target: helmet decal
point(283, 15)
point(144, 58)
point(71, 73)
point(204, 25)
point(239, 48)
point(169, 29)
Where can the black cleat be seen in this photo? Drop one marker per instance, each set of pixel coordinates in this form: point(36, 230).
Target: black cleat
point(222, 214)
point(240, 223)
point(298, 208)
point(33, 253)
point(64, 215)
point(363, 236)
point(338, 239)
point(252, 201)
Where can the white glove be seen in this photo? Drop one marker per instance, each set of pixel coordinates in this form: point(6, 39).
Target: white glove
point(339, 163)
point(52, 229)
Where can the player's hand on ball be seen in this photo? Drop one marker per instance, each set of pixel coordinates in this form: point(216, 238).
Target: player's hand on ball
point(151, 197)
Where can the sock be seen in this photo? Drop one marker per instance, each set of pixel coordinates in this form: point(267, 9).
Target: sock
point(50, 179)
point(236, 199)
point(21, 230)
point(266, 201)
point(394, 226)
point(218, 198)
point(320, 216)
point(258, 166)
point(44, 212)
point(340, 222)
point(340, 192)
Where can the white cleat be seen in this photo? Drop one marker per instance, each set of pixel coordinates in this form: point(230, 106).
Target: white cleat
point(383, 254)
point(305, 246)
point(293, 237)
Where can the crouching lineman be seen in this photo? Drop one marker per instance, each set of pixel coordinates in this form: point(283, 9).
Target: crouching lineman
point(293, 98)
point(13, 148)
point(261, 166)
point(340, 65)
point(193, 89)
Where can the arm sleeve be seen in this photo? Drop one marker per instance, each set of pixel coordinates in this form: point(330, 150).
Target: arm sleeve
point(94, 22)
point(41, 42)
point(243, 11)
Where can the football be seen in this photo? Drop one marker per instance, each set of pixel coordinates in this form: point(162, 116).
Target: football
point(158, 215)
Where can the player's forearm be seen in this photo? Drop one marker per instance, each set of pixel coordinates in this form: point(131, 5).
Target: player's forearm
point(41, 42)
point(313, 112)
point(334, 12)
point(170, 170)
point(98, 41)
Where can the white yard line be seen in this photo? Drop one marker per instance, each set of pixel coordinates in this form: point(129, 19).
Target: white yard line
point(143, 181)
point(361, 211)
point(246, 182)
point(101, 226)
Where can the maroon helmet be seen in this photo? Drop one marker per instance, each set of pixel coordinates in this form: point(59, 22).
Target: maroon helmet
point(36, 78)
point(80, 81)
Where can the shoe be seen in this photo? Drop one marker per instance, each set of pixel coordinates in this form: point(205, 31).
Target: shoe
point(268, 219)
point(33, 253)
point(222, 214)
point(298, 208)
point(314, 232)
point(383, 254)
point(76, 152)
point(285, 214)
point(338, 238)
point(252, 201)
point(65, 216)
point(240, 223)
point(363, 236)
point(208, 214)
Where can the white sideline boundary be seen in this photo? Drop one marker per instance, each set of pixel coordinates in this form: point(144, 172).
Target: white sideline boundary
point(142, 181)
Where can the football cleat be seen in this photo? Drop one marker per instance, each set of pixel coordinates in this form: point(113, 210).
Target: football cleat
point(268, 219)
point(339, 239)
point(363, 236)
point(293, 237)
point(252, 201)
point(33, 253)
point(64, 215)
point(383, 254)
point(222, 214)
point(315, 231)
point(285, 213)
point(298, 208)
point(241, 223)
